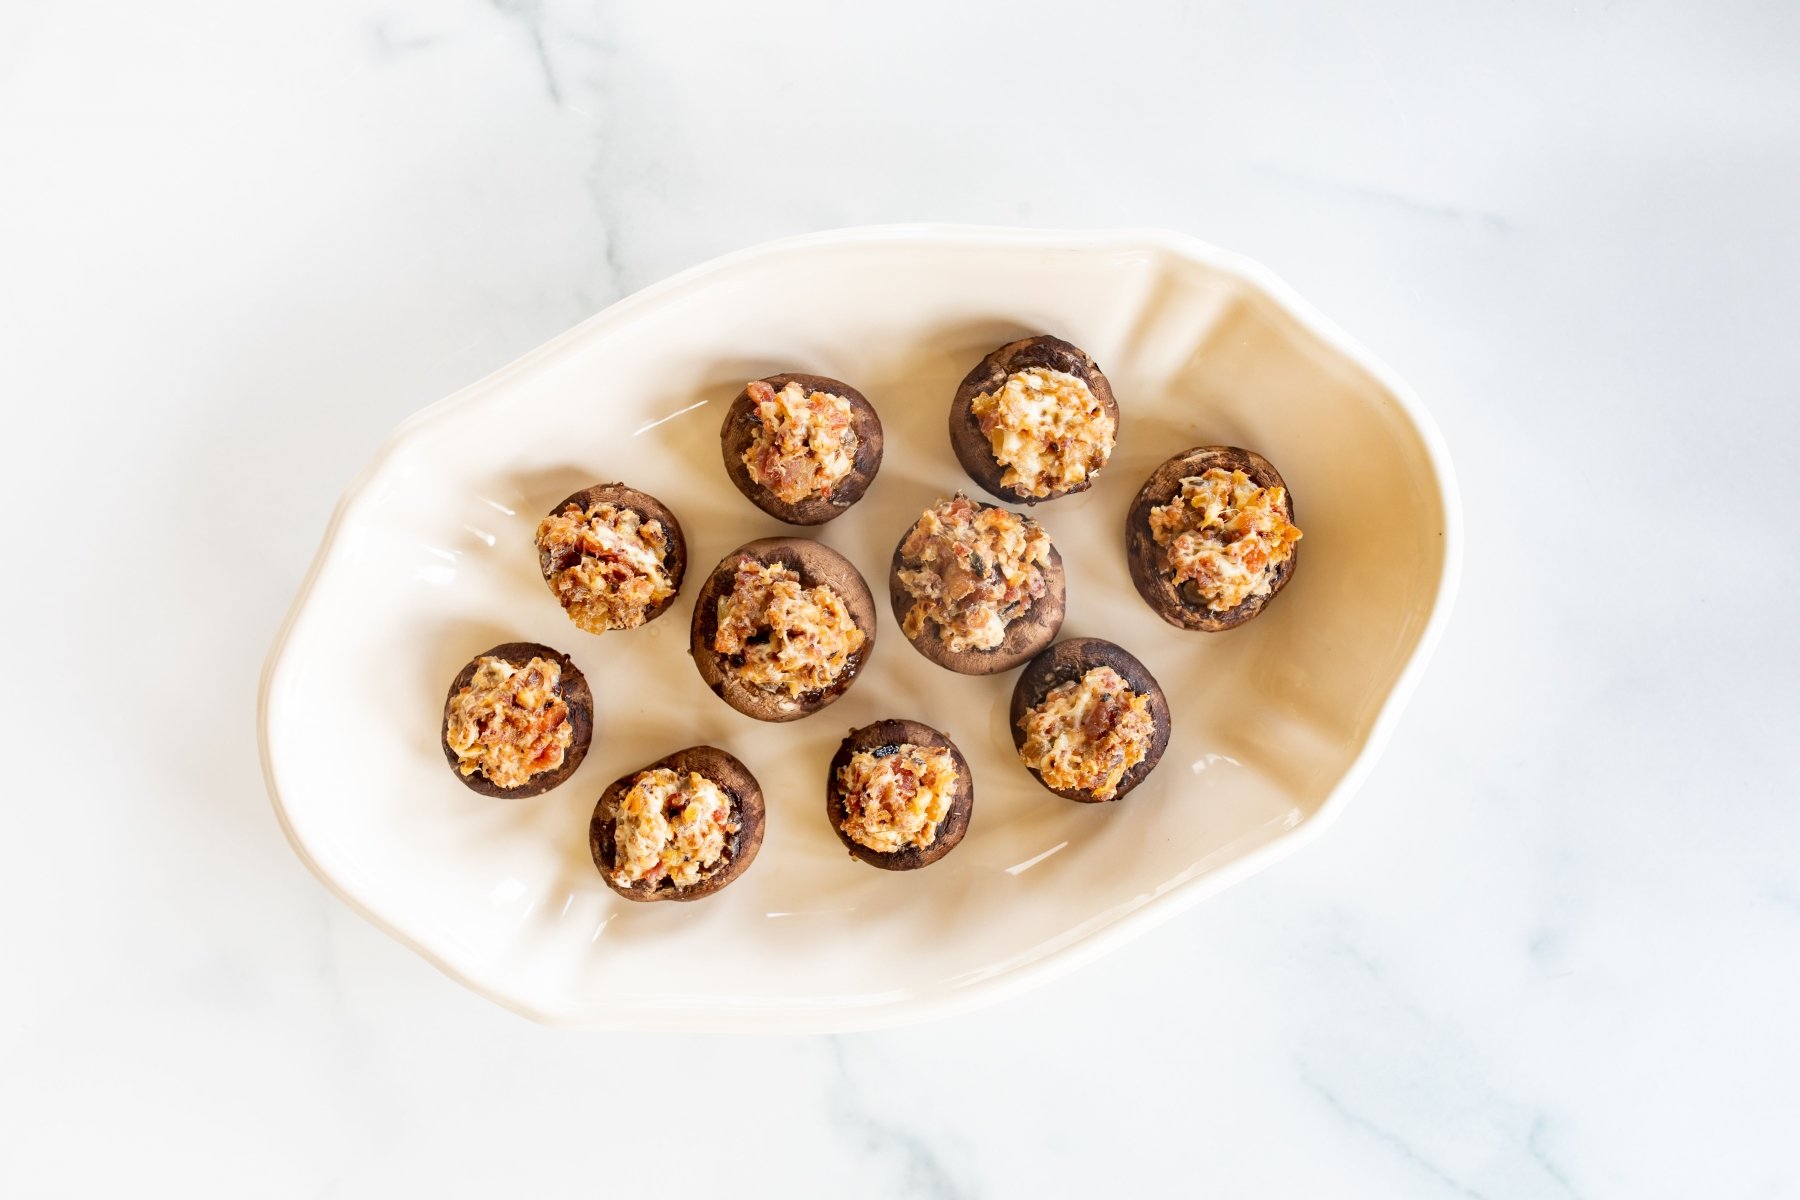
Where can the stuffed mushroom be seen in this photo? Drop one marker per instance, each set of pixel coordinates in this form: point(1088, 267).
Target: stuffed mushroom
point(899, 794)
point(679, 829)
point(782, 627)
point(517, 721)
point(975, 588)
point(1034, 420)
point(803, 448)
point(1211, 538)
point(613, 556)
point(1089, 720)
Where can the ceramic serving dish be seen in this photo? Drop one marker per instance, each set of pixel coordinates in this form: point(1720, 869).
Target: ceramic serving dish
point(429, 559)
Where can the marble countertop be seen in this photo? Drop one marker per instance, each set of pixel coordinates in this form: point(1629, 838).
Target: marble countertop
point(1553, 948)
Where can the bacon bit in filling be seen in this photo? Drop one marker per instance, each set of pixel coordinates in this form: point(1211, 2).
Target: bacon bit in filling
point(605, 565)
point(1087, 733)
point(804, 444)
point(973, 570)
point(670, 827)
point(1226, 535)
point(1047, 428)
point(510, 723)
point(897, 796)
point(780, 636)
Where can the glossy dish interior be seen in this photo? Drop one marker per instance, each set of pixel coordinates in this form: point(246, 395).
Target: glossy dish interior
point(430, 559)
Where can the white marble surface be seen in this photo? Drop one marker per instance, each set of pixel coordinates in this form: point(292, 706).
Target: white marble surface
point(1552, 950)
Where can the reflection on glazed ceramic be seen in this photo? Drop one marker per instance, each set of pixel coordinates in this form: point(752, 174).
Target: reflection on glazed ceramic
point(1298, 696)
point(1034, 860)
point(649, 425)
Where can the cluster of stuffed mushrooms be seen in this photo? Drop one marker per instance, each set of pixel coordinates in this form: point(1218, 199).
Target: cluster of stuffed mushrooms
point(783, 626)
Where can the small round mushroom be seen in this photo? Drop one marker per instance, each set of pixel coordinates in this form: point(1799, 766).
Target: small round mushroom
point(1027, 631)
point(571, 691)
point(1070, 662)
point(588, 585)
point(731, 853)
point(1182, 604)
point(776, 695)
point(975, 449)
point(889, 741)
point(807, 503)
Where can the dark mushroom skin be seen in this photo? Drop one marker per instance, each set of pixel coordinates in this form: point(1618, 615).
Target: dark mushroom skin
point(573, 686)
point(648, 508)
point(971, 445)
point(739, 430)
point(816, 564)
point(732, 777)
point(1183, 606)
point(1026, 634)
point(1070, 660)
point(898, 733)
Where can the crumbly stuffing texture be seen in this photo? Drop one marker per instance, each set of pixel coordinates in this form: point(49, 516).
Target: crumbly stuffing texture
point(804, 444)
point(1226, 535)
point(1047, 428)
point(897, 796)
point(971, 571)
point(605, 565)
point(1086, 733)
point(670, 826)
point(510, 723)
point(782, 637)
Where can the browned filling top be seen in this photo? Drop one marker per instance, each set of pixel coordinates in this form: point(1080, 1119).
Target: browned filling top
point(1086, 733)
point(805, 443)
point(670, 826)
point(605, 565)
point(897, 796)
point(1226, 535)
point(1047, 428)
point(971, 571)
point(780, 636)
point(510, 723)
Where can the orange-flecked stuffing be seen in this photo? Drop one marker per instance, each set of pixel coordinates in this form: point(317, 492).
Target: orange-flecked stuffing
point(971, 571)
point(897, 796)
point(805, 443)
point(605, 565)
point(1047, 428)
point(510, 723)
point(670, 826)
point(780, 636)
point(1086, 733)
point(1226, 535)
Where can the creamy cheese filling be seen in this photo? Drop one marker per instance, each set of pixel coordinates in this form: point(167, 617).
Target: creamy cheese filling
point(779, 636)
point(1047, 428)
point(510, 723)
point(670, 826)
point(1226, 535)
point(897, 796)
point(804, 444)
point(1086, 733)
point(971, 571)
point(605, 565)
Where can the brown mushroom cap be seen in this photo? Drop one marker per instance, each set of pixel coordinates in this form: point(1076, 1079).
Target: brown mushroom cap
point(1026, 634)
point(573, 687)
point(1070, 660)
point(898, 733)
point(972, 447)
point(733, 778)
point(1183, 606)
point(648, 508)
point(816, 564)
point(739, 430)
